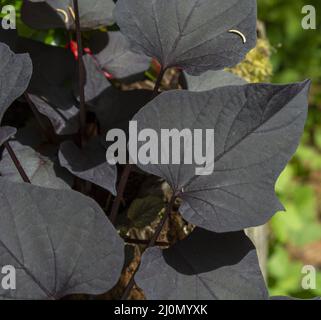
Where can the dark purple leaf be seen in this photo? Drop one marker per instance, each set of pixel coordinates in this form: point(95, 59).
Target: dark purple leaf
point(249, 154)
point(47, 14)
point(117, 59)
point(15, 73)
point(204, 266)
point(194, 35)
point(59, 241)
point(89, 164)
point(211, 79)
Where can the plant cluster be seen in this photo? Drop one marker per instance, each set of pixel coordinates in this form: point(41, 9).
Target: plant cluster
point(58, 225)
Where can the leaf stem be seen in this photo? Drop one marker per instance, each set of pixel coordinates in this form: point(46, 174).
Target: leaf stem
point(120, 192)
point(152, 242)
point(81, 73)
point(17, 163)
point(158, 82)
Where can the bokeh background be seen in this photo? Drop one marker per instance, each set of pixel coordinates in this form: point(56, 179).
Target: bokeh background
point(286, 53)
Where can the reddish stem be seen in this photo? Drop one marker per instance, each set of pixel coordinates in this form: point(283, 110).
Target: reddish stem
point(17, 163)
point(81, 73)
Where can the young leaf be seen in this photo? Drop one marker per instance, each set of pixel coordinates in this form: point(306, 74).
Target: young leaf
point(59, 241)
point(210, 80)
point(143, 211)
point(204, 266)
point(89, 164)
point(249, 155)
point(6, 133)
point(15, 74)
point(47, 14)
point(196, 35)
point(117, 59)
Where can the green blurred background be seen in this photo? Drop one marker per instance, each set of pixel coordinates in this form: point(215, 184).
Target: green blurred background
point(295, 236)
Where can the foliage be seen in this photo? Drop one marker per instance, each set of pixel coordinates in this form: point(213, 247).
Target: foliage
point(76, 97)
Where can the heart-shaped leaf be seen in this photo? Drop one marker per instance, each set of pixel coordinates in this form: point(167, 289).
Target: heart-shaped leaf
point(117, 59)
point(196, 35)
point(47, 14)
point(237, 190)
point(59, 241)
point(197, 268)
point(89, 164)
point(210, 80)
point(15, 74)
point(6, 133)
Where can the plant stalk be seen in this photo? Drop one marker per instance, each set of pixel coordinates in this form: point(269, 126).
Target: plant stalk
point(120, 192)
point(17, 163)
point(158, 83)
point(152, 243)
point(81, 73)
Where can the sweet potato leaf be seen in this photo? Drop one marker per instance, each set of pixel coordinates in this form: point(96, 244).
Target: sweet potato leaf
point(116, 58)
point(15, 74)
point(194, 35)
point(59, 241)
point(50, 88)
point(115, 108)
point(47, 14)
point(249, 154)
point(210, 80)
point(198, 268)
point(96, 82)
point(89, 164)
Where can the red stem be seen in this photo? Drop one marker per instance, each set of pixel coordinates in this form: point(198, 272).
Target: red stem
point(120, 192)
point(81, 73)
point(17, 163)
